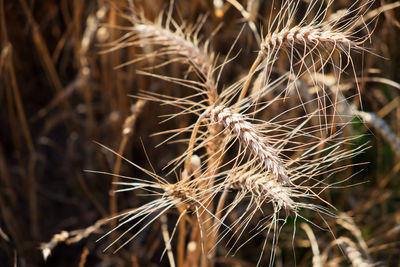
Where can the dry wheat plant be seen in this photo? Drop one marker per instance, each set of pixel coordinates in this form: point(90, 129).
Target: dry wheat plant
point(247, 167)
point(200, 133)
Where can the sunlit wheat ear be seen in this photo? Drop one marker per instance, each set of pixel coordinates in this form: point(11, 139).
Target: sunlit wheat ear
point(167, 42)
point(315, 159)
point(183, 196)
point(265, 189)
point(308, 36)
point(313, 43)
point(252, 140)
point(315, 31)
point(177, 42)
point(160, 40)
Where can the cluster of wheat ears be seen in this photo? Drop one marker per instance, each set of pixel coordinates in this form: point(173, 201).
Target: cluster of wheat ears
point(255, 151)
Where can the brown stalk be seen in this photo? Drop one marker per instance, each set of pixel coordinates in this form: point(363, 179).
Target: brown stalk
point(127, 131)
point(84, 255)
point(115, 95)
point(250, 75)
point(31, 185)
point(44, 54)
point(181, 241)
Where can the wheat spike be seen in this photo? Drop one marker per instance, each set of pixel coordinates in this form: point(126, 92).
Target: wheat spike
point(259, 185)
point(353, 253)
point(253, 140)
point(307, 36)
point(381, 127)
point(177, 43)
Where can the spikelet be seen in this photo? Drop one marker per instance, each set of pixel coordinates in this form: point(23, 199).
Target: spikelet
point(178, 42)
point(172, 42)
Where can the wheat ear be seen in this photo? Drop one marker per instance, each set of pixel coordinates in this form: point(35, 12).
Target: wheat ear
point(177, 43)
point(353, 253)
point(263, 188)
point(307, 36)
point(70, 237)
point(253, 140)
point(180, 195)
point(381, 127)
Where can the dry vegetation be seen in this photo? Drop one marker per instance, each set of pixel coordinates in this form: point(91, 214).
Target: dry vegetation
point(200, 133)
